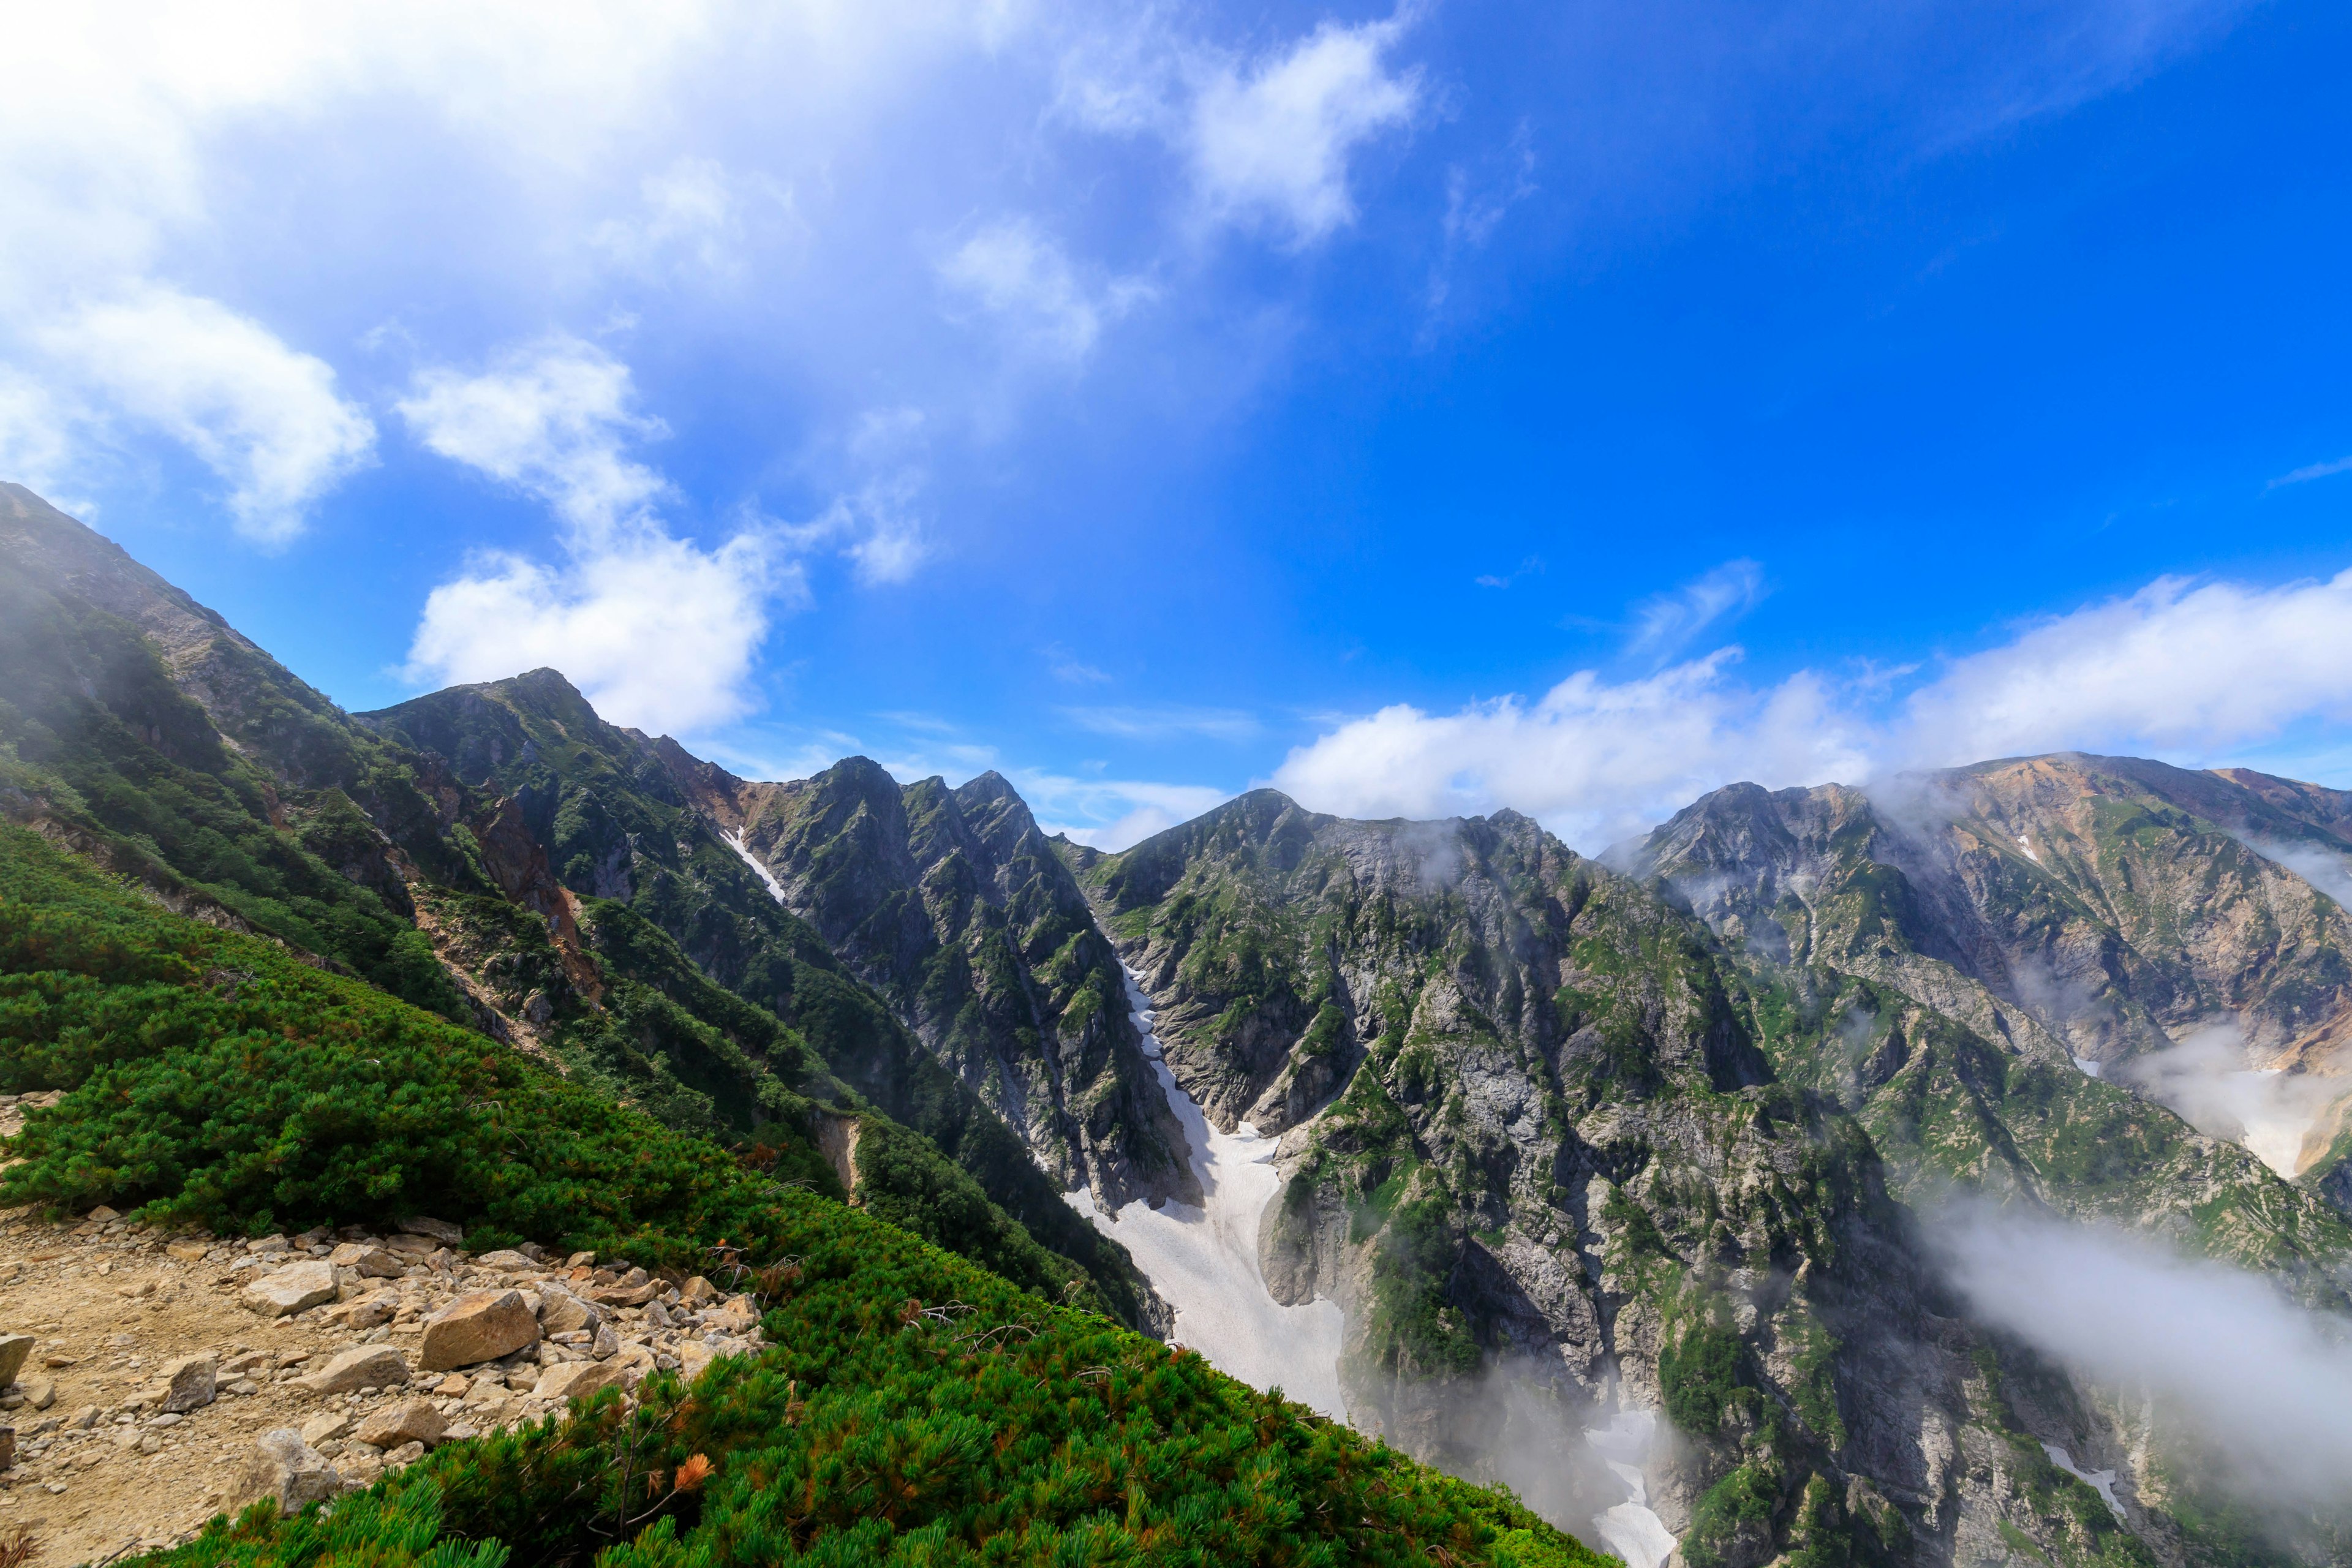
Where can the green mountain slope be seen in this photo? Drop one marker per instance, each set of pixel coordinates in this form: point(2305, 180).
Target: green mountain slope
point(912, 1408)
point(1537, 1156)
point(1956, 957)
point(139, 729)
point(619, 829)
point(956, 909)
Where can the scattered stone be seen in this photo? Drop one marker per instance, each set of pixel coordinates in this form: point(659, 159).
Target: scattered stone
point(624, 1295)
point(368, 1262)
point(580, 1260)
point(364, 1367)
point(40, 1391)
point(562, 1312)
point(693, 1356)
point(576, 1379)
point(636, 1361)
point(101, 1215)
point(285, 1468)
point(293, 1288)
point(504, 1259)
point(85, 1418)
point(453, 1387)
point(188, 1383)
point(14, 1350)
point(326, 1427)
point(8, 1447)
point(440, 1230)
point(243, 1385)
point(187, 1251)
point(479, 1326)
point(409, 1421)
point(737, 1316)
point(406, 1454)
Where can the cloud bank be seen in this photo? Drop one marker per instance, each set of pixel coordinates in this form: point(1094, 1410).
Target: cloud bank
point(2265, 1382)
point(2179, 669)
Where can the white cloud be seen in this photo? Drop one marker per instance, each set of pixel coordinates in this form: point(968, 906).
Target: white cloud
point(1112, 814)
point(552, 417)
point(655, 631)
point(1024, 279)
point(2310, 471)
point(1265, 140)
point(266, 419)
point(2173, 669)
point(1273, 138)
point(2266, 1384)
point(693, 212)
point(1668, 624)
point(1593, 759)
point(1166, 722)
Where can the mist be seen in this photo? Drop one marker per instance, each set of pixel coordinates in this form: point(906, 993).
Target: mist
point(2324, 869)
point(2209, 1081)
point(2265, 1382)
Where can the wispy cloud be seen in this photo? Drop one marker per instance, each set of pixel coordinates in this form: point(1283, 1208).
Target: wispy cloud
point(1163, 723)
point(1665, 624)
point(1112, 814)
point(1023, 280)
point(2310, 471)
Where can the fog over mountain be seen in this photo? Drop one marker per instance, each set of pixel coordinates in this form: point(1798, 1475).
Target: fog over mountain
point(1886, 1175)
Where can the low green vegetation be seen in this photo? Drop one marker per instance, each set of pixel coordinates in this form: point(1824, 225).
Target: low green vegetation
point(912, 1408)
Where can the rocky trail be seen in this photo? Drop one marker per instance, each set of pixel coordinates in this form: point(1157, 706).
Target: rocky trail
point(150, 1380)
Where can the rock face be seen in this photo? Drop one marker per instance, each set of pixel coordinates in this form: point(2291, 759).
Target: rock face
point(479, 1326)
point(285, 1468)
point(953, 905)
point(293, 1288)
point(1963, 950)
point(1534, 1150)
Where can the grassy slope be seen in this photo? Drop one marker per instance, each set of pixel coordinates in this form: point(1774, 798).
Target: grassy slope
point(914, 1409)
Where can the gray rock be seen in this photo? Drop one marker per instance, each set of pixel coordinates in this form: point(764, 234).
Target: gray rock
point(365, 1366)
point(188, 1383)
point(562, 1312)
point(14, 1350)
point(287, 1470)
point(293, 1288)
point(440, 1230)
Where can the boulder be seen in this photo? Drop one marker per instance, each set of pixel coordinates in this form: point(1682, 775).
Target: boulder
point(736, 1315)
point(409, 1421)
point(482, 1325)
point(560, 1313)
point(326, 1427)
point(187, 1383)
point(440, 1230)
point(365, 1312)
point(504, 1259)
point(286, 1467)
point(13, 1351)
point(577, 1379)
point(293, 1288)
point(698, 1292)
point(693, 1356)
point(636, 1362)
point(367, 1366)
point(624, 1295)
point(368, 1262)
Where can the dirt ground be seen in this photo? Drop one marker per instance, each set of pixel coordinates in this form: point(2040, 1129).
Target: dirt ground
point(100, 1472)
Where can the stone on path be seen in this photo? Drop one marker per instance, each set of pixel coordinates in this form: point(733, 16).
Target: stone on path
point(187, 1383)
point(367, 1262)
point(409, 1421)
point(293, 1288)
point(576, 1379)
point(286, 1467)
point(368, 1367)
point(482, 1325)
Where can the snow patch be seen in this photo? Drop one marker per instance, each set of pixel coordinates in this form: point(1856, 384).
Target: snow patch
point(1203, 1260)
point(1629, 1529)
point(2101, 1482)
point(735, 842)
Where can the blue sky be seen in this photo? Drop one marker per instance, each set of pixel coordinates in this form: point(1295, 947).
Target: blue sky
point(1425, 409)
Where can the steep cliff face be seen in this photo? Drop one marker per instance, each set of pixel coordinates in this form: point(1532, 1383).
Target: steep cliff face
point(635, 820)
point(956, 909)
point(1985, 965)
point(1536, 1154)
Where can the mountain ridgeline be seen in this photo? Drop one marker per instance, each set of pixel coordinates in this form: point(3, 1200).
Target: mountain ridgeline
point(1564, 1137)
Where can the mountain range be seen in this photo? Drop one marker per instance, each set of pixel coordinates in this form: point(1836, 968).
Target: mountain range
point(1569, 1139)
